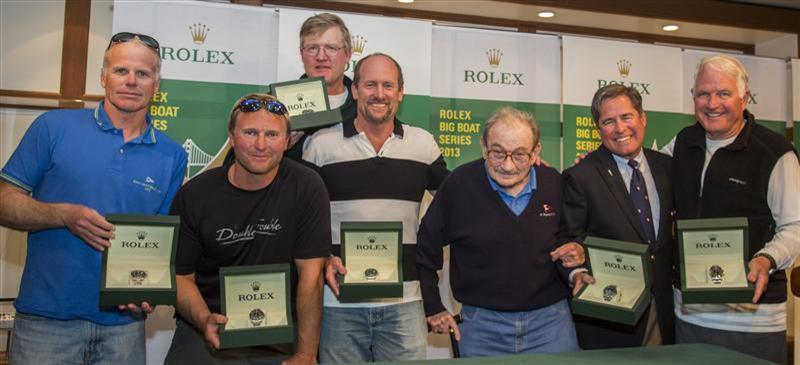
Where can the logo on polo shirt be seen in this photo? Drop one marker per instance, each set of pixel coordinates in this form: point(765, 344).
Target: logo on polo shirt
point(547, 211)
point(149, 185)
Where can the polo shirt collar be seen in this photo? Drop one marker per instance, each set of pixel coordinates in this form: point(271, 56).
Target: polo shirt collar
point(104, 123)
point(349, 128)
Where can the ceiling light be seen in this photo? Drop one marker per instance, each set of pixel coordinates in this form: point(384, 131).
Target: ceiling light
point(670, 27)
point(546, 14)
point(406, 1)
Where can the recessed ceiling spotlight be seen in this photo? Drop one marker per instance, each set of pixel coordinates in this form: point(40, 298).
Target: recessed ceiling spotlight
point(406, 1)
point(670, 27)
point(546, 14)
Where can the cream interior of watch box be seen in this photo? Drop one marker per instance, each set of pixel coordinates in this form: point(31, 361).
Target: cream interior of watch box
point(246, 295)
point(302, 97)
point(625, 271)
point(371, 250)
point(135, 274)
point(135, 249)
point(703, 250)
point(357, 270)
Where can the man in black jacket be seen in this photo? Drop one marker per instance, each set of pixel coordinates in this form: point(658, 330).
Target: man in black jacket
point(730, 166)
point(599, 201)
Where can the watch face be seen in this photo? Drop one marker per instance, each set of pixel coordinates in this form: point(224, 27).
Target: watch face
point(715, 274)
point(256, 317)
point(138, 276)
point(371, 274)
point(609, 292)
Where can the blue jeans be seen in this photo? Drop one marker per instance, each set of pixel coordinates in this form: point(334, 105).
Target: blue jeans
point(39, 341)
point(485, 332)
point(388, 333)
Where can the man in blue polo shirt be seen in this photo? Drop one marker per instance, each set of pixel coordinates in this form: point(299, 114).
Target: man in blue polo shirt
point(71, 168)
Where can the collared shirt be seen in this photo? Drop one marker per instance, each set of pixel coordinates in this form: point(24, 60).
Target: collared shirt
point(385, 185)
point(626, 171)
point(517, 203)
point(79, 157)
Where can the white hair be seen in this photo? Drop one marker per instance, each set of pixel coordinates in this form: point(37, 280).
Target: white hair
point(727, 65)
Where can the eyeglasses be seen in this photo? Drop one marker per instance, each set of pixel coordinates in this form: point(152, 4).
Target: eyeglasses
point(253, 105)
point(123, 37)
point(313, 49)
point(519, 158)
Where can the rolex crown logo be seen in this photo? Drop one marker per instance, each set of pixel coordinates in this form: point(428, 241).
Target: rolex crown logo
point(624, 67)
point(255, 285)
point(618, 258)
point(371, 239)
point(712, 237)
point(494, 55)
point(199, 32)
point(141, 235)
point(300, 96)
point(359, 43)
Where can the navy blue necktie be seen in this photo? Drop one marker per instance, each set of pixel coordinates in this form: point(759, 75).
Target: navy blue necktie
point(641, 202)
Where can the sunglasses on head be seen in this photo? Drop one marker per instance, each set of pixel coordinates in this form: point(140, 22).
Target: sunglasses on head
point(123, 37)
point(254, 105)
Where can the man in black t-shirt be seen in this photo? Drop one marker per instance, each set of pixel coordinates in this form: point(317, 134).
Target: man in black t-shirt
point(258, 209)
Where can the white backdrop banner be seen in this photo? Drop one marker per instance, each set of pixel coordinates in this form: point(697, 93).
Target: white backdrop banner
point(495, 65)
point(593, 63)
point(476, 71)
point(212, 54)
point(202, 41)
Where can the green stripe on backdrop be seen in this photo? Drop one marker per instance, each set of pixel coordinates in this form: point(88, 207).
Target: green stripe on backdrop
point(774, 125)
point(457, 125)
point(796, 132)
point(414, 110)
point(197, 111)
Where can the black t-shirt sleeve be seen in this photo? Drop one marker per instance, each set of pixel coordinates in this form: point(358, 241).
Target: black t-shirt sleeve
point(189, 246)
point(314, 220)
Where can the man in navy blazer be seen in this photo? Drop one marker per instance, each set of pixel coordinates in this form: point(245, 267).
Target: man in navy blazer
point(598, 202)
